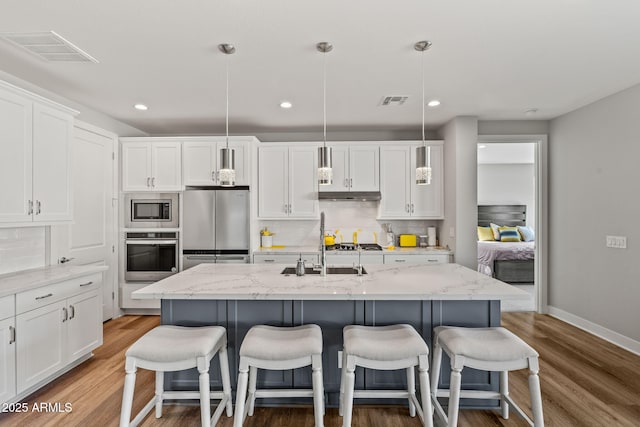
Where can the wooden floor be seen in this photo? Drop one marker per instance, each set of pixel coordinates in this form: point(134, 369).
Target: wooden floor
point(585, 382)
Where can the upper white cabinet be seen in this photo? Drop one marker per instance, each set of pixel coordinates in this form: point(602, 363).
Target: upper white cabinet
point(402, 198)
point(149, 165)
point(356, 167)
point(201, 163)
point(287, 182)
point(35, 166)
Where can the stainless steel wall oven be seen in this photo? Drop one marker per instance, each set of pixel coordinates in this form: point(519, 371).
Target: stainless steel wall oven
point(150, 256)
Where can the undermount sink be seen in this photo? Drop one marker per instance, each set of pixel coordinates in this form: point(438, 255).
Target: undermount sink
point(330, 270)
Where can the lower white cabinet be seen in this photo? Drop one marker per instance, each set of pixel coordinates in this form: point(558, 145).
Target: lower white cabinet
point(352, 258)
point(290, 259)
point(416, 258)
point(7, 356)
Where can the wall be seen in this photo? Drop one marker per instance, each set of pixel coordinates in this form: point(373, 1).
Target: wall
point(22, 248)
point(513, 127)
point(594, 175)
point(504, 184)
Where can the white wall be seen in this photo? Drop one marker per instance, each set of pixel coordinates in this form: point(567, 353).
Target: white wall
point(506, 184)
point(594, 176)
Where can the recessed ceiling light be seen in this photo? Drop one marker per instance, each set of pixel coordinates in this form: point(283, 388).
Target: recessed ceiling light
point(482, 146)
point(433, 103)
point(141, 107)
point(286, 104)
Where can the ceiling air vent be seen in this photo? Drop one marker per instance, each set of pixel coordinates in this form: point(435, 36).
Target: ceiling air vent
point(49, 46)
point(393, 100)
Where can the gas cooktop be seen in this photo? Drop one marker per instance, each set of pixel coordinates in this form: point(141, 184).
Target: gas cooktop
point(355, 247)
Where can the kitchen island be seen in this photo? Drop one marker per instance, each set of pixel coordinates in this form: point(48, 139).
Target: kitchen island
point(238, 296)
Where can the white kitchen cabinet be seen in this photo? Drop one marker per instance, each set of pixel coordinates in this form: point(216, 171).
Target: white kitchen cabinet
point(356, 167)
point(416, 258)
point(35, 167)
point(402, 198)
point(287, 182)
point(201, 163)
point(289, 259)
point(150, 165)
point(352, 258)
point(7, 348)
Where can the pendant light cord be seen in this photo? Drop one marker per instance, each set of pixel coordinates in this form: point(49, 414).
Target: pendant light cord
point(227, 94)
point(422, 59)
point(324, 98)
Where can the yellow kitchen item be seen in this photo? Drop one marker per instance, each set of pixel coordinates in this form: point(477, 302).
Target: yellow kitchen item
point(408, 240)
point(329, 240)
point(355, 236)
point(391, 247)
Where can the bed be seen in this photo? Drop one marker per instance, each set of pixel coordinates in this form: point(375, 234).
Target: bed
point(510, 262)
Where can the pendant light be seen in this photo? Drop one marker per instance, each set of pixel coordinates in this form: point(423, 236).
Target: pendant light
point(423, 152)
point(325, 170)
point(227, 155)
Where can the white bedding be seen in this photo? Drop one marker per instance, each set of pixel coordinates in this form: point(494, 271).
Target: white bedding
point(491, 251)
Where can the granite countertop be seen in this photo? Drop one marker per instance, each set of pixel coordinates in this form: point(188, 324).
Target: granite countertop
point(383, 282)
point(29, 279)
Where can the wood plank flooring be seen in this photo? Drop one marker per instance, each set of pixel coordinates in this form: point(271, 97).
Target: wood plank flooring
point(585, 382)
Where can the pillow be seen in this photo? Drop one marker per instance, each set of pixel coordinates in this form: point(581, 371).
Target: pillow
point(496, 231)
point(526, 233)
point(485, 234)
point(509, 234)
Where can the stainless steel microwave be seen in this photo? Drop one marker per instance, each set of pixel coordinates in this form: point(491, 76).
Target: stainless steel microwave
point(157, 210)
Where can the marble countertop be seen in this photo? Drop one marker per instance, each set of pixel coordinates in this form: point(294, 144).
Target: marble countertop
point(29, 279)
point(383, 282)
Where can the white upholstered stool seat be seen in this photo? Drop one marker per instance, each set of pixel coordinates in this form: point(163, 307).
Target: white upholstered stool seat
point(488, 349)
point(174, 348)
point(279, 348)
point(386, 348)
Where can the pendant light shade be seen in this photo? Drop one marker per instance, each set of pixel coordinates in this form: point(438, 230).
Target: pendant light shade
point(325, 160)
point(423, 153)
point(227, 174)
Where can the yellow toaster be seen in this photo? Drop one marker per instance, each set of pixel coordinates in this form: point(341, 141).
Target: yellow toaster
point(408, 240)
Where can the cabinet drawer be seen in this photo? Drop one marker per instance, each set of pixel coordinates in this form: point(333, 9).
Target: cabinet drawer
point(416, 259)
point(7, 306)
point(44, 295)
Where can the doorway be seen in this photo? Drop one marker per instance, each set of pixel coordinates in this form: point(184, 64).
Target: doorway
point(512, 174)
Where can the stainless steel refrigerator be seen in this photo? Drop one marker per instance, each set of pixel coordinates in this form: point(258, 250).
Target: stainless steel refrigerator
point(215, 226)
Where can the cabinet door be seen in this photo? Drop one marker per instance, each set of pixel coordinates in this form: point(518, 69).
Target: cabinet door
point(7, 359)
point(84, 331)
point(427, 200)
point(199, 162)
point(41, 343)
point(52, 136)
point(166, 166)
point(15, 157)
point(340, 169)
point(395, 164)
point(364, 168)
point(303, 182)
point(273, 176)
point(136, 166)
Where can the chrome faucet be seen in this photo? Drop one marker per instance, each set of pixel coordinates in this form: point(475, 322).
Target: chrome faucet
point(323, 248)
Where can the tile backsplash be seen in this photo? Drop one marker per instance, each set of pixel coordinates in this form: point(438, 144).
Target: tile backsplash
point(22, 248)
point(345, 217)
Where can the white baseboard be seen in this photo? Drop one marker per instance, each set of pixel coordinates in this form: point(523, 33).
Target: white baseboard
point(597, 330)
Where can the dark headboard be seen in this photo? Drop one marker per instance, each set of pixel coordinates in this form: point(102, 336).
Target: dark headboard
point(509, 215)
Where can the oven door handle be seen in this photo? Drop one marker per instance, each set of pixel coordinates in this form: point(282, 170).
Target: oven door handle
point(151, 242)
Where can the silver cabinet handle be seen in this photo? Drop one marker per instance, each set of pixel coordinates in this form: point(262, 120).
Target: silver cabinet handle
point(64, 260)
point(148, 181)
point(412, 207)
point(269, 260)
point(401, 260)
point(73, 312)
point(350, 182)
point(406, 208)
point(346, 182)
point(38, 205)
point(286, 208)
point(12, 334)
point(289, 208)
point(30, 208)
point(65, 314)
point(44, 296)
point(213, 176)
point(153, 181)
point(217, 176)
point(432, 260)
point(85, 284)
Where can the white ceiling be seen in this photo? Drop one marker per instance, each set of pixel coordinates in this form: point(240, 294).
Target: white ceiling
point(492, 59)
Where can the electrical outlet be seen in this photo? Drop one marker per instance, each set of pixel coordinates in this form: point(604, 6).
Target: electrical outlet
point(617, 242)
point(452, 232)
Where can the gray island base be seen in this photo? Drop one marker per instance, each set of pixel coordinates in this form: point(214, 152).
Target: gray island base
point(240, 296)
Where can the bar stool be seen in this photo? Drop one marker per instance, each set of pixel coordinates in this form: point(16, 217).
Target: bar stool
point(279, 348)
point(175, 348)
point(386, 348)
point(488, 349)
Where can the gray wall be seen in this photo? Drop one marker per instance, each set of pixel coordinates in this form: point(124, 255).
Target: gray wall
point(513, 127)
point(594, 176)
point(505, 184)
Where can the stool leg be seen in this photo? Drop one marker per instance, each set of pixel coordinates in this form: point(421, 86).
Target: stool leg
point(435, 370)
point(251, 397)
point(226, 378)
point(318, 391)
point(411, 389)
point(425, 395)
point(205, 392)
point(159, 392)
point(350, 378)
point(504, 393)
point(343, 372)
point(454, 396)
point(127, 396)
point(241, 393)
point(536, 399)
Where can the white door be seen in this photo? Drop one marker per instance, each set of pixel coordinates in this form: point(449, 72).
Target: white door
point(340, 169)
point(84, 325)
point(364, 168)
point(136, 166)
point(15, 157)
point(427, 200)
point(395, 164)
point(7, 359)
point(166, 166)
point(91, 238)
point(273, 176)
point(303, 182)
point(199, 160)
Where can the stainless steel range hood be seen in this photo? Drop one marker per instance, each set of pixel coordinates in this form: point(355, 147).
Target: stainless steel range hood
point(362, 196)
